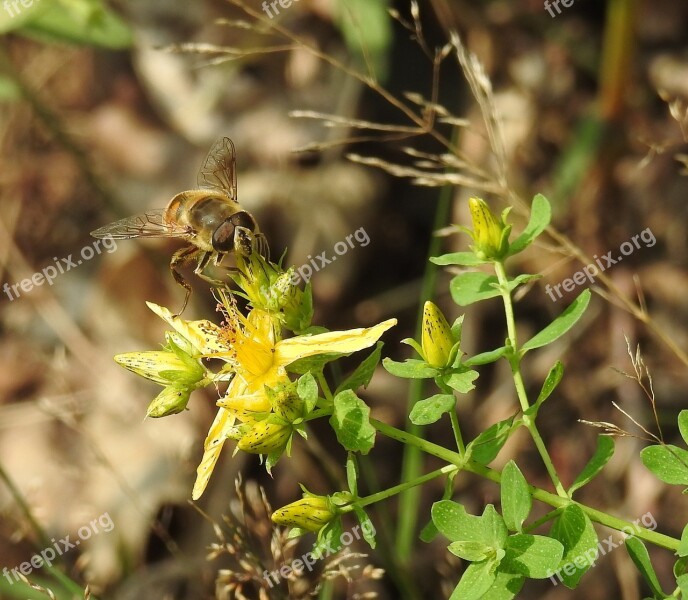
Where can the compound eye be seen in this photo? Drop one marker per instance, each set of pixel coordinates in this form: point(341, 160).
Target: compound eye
point(243, 219)
point(223, 237)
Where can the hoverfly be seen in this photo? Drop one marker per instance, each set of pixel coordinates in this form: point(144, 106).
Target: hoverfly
point(209, 218)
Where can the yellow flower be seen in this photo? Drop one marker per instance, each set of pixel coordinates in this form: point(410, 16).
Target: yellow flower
point(311, 513)
point(437, 340)
point(258, 358)
point(491, 241)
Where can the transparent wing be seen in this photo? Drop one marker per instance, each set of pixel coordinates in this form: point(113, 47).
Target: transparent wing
point(219, 169)
point(148, 224)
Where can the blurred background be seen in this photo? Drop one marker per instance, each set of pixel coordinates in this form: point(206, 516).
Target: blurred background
point(109, 109)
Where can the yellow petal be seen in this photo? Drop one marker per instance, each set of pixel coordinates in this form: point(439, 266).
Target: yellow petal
point(202, 334)
point(221, 427)
point(217, 435)
point(343, 342)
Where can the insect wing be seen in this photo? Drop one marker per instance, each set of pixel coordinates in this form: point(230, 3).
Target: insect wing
point(149, 224)
point(219, 169)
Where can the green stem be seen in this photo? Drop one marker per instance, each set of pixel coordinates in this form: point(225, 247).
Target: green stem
point(402, 487)
point(598, 516)
point(457, 431)
point(409, 501)
point(515, 362)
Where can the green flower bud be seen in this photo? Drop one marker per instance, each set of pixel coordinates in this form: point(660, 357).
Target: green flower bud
point(490, 234)
point(265, 437)
point(170, 401)
point(311, 513)
point(285, 401)
point(437, 339)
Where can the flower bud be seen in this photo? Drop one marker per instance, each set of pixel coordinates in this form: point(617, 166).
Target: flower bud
point(437, 339)
point(311, 513)
point(265, 437)
point(285, 401)
point(170, 401)
point(490, 234)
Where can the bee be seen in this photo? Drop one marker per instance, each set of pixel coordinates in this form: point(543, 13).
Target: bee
point(209, 218)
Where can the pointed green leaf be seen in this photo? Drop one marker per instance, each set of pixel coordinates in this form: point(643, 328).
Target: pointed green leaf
point(683, 546)
point(454, 523)
point(411, 368)
point(575, 531)
point(534, 556)
point(639, 555)
point(516, 498)
point(485, 357)
point(561, 324)
point(506, 586)
point(461, 382)
point(475, 581)
point(551, 382)
point(540, 215)
point(367, 527)
point(464, 259)
point(603, 453)
point(468, 288)
point(683, 425)
point(363, 373)
point(471, 551)
point(352, 473)
point(351, 422)
point(487, 445)
point(669, 463)
point(431, 409)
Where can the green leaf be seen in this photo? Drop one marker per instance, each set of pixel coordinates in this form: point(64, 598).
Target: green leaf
point(431, 409)
point(363, 373)
point(639, 555)
point(475, 581)
point(561, 324)
point(351, 422)
point(487, 445)
point(430, 531)
point(516, 498)
point(367, 527)
point(540, 215)
point(467, 288)
point(603, 453)
point(454, 523)
point(461, 382)
point(307, 389)
point(352, 473)
point(411, 368)
point(551, 382)
point(683, 425)
point(485, 357)
point(87, 22)
point(669, 463)
point(464, 259)
point(312, 364)
point(683, 546)
point(682, 582)
point(329, 539)
point(471, 551)
point(506, 586)
point(520, 280)
point(534, 556)
point(577, 534)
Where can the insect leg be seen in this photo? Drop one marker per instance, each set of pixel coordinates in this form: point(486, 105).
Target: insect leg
point(202, 264)
point(181, 257)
